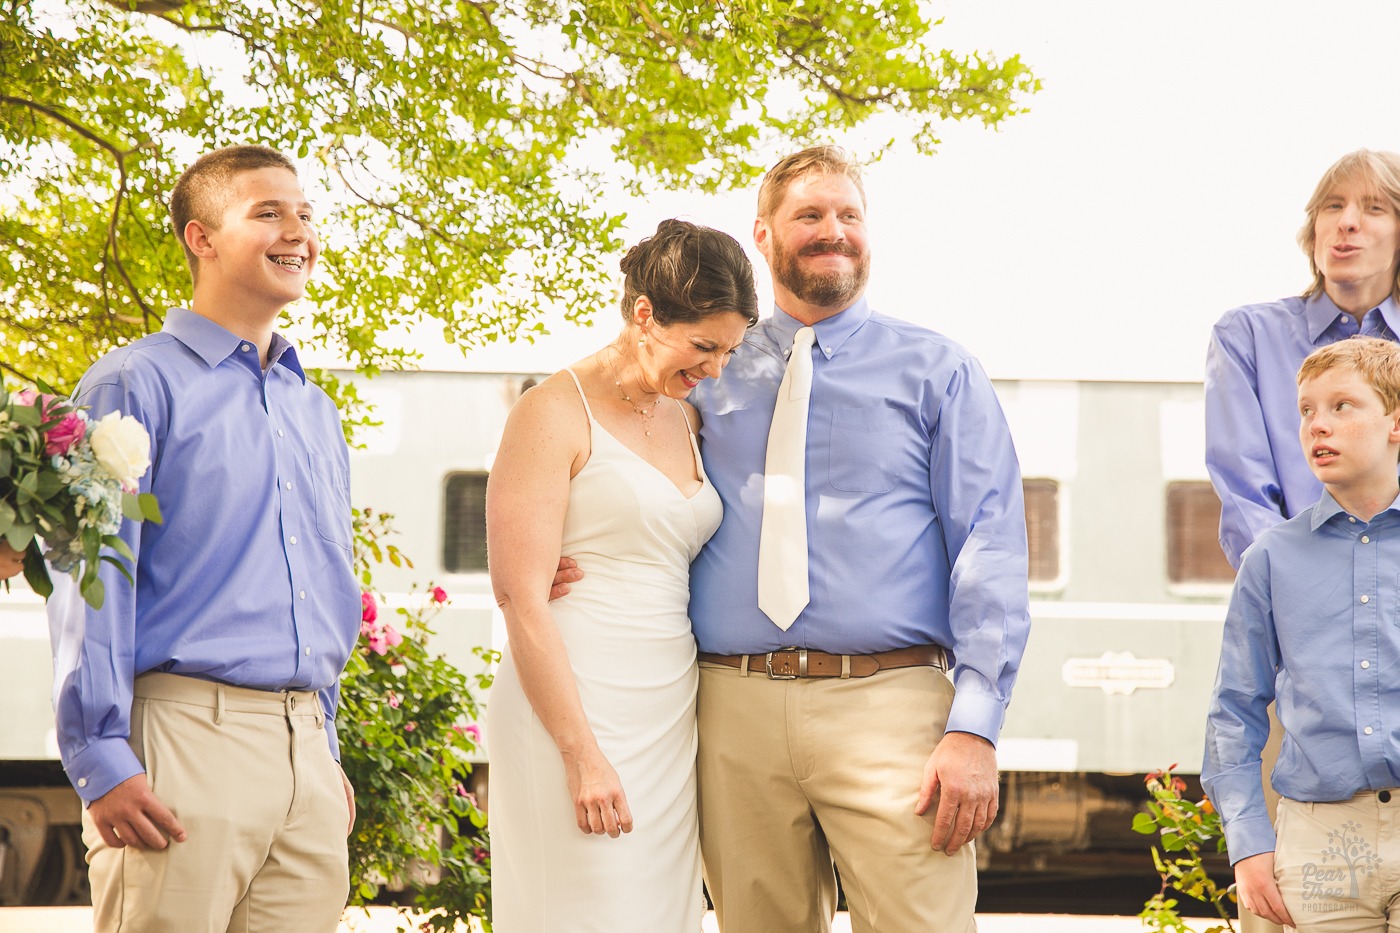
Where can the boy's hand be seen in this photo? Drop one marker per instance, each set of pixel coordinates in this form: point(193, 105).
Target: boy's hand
point(567, 573)
point(1257, 890)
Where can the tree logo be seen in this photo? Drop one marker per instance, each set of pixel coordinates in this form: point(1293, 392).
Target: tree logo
point(1323, 884)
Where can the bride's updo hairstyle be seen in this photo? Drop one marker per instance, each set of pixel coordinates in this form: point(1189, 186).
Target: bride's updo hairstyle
point(688, 272)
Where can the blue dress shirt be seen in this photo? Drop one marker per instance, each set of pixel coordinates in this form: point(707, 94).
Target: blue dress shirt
point(1252, 452)
point(1314, 622)
point(916, 525)
point(249, 581)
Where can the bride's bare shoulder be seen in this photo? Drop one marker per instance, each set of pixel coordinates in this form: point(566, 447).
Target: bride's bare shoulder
point(554, 404)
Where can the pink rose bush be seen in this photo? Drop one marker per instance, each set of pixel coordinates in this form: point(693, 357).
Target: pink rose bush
point(380, 636)
point(408, 739)
point(67, 485)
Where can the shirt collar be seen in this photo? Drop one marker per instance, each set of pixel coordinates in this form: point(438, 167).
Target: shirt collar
point(1327, 508)
point(214, 344)
point(1321, 313)
point(831, 333)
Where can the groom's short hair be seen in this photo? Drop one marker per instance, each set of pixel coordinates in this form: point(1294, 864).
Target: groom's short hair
point(825, 160)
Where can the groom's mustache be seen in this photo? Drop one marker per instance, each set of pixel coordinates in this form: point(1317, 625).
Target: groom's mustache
point(821, 249)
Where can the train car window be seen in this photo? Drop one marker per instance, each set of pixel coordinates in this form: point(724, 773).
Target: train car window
point(1193, 535)
point(1043, 528)
point(464, 523)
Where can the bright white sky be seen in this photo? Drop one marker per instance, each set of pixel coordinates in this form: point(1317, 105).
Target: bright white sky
point(1158, 180)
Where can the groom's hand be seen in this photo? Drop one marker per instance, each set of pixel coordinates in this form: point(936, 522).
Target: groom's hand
point(962, 775)
point(567, 573)
point(131, 815)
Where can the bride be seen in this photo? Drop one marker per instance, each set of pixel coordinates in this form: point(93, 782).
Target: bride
point(591, 722)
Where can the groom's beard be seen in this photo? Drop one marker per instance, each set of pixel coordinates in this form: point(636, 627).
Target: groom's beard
point(826, 290)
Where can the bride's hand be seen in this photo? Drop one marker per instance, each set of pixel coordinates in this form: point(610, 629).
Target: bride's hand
point(600, 806)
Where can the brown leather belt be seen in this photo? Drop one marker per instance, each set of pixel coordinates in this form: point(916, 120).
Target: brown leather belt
point(792, 663)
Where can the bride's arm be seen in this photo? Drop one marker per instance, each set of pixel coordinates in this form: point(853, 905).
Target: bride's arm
point(545, 441)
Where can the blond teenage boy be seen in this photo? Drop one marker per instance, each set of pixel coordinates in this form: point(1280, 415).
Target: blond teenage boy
point(1314, 623)
point(196, 708)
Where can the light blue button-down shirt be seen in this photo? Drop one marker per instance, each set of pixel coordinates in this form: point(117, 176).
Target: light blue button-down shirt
point(1314, 622)
point(916, 525)
point(248, 582)
point(1252, 450)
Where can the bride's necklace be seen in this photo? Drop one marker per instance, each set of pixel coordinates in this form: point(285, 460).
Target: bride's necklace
point(647, 413)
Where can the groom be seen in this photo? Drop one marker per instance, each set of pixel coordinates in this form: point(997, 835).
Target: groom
point(852, 747)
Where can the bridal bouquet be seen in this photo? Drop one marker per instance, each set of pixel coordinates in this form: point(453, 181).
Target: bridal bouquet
point(66, 482)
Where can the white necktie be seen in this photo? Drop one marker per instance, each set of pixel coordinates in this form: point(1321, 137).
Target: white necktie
point(782, 540)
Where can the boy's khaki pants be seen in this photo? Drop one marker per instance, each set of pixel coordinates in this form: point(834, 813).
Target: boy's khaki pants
point(796, 774)
point(1338, 864)
point(250, 777)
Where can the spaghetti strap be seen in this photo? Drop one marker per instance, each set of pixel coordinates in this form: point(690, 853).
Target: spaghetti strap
point(583, 398)
point(694, 444)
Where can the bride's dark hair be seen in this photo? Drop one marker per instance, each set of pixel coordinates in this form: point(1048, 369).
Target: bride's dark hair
point(688, 272)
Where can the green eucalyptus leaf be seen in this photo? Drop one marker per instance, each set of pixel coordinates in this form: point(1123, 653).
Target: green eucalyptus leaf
point(94, 593)
point(150, 508)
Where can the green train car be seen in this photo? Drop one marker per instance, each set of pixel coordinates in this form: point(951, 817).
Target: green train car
point(1128, 591)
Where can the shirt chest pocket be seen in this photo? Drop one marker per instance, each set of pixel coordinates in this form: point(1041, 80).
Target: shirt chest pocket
point(865, 447)
point(331, 490)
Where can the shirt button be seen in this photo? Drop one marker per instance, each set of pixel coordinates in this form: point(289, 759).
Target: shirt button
point(1365, 664)
point(1364, 599)
point(293, 539)
point(82, 782)
point(1365, 539)
point(302, 594)
point(280, 434)
point(1345, 319)
point(1367, 730)
point(288, 485)
point(246, 348)
point(308, 651)
point(1349, 518)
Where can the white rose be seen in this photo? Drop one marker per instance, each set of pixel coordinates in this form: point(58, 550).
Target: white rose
point(122, 446)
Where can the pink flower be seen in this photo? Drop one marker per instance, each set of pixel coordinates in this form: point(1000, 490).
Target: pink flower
point(410, 726)
point(65, 434)
point(473, 730)
point(27, 397)
point(439, 595)
point(480, 855)
point(392, 638)
point(369, 609)
point(462, 790)
point(394, 700)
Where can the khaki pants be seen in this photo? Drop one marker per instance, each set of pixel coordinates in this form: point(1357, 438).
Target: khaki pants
point(797, 774)
point(1338, 864)
point(250, 777)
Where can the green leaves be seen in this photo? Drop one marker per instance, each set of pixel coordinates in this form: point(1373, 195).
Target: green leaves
point(1186, 827)
point(458, 151)
point(407, 737)
point(143, 507)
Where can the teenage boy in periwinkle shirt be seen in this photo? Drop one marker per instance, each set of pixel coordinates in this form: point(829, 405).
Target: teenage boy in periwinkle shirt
point(1312, 626)
point(196, 709)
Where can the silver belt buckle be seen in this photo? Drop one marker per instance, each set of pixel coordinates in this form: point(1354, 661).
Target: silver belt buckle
point(801, 664)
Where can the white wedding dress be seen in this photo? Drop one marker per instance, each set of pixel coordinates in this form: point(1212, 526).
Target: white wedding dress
point(628, 638)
